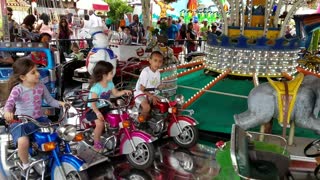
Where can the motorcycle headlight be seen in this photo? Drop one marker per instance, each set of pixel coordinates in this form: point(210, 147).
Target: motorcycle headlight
point(134, 113)
point(67, 132)
point(179, 99)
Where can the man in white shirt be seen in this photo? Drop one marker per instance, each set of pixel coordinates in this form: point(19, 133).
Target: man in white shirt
point(95, 21)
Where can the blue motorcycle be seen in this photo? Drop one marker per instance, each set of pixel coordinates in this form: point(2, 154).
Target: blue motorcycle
point(50, 153)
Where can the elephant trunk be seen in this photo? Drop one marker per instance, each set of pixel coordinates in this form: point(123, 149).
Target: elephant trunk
point(246, 120)
point(310, 122)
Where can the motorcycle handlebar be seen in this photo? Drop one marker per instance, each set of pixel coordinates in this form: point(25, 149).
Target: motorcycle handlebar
point(110, 103)
point(100, 99)
point(26, 118)
point(150, 89)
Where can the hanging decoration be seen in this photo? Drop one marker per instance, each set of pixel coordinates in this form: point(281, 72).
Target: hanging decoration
point(164, 6)
point(192, 6)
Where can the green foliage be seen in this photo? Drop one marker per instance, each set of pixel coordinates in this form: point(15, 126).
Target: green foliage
point(118, 9)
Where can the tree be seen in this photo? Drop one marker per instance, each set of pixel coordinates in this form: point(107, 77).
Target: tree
point(146, 13)
point(117, 10)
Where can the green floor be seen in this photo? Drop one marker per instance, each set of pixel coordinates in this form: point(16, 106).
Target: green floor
point(214, 111)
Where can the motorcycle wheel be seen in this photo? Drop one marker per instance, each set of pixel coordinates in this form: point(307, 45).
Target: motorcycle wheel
point(317, 172)
point(143, 157)
point(312, 149)
point(188, 137)
point(137, 174)
point(71, 173)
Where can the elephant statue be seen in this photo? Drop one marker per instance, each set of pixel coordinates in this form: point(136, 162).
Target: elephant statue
point(263, 105)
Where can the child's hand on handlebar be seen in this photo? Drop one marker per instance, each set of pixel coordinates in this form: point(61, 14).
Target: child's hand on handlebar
point(8, 116)
point(126, 92)
point(61, 103)
point(161, 86)
point(155, 99)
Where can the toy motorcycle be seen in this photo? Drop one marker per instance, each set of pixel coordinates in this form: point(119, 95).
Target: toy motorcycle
point(313, 150)
point(166, 117)
point(120, 137)
point(50, 153)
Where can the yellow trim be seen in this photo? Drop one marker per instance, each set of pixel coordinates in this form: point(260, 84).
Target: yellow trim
point(293, 87)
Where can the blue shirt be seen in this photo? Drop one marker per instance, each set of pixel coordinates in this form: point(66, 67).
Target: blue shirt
point(172, 31)
point(102, 92)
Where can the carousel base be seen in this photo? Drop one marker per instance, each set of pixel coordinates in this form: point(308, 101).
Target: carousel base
point(198, 162)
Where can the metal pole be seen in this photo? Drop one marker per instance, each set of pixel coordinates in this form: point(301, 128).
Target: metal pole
point(4, 28)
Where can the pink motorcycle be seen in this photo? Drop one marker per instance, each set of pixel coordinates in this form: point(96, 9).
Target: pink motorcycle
point(167, 117)
point(120, 136)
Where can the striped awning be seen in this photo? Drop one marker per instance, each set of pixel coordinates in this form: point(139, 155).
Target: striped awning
point(66, 0)
point(18, 5)
point(59, 11)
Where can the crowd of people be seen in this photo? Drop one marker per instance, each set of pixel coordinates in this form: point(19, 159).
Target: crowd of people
point(71, 35)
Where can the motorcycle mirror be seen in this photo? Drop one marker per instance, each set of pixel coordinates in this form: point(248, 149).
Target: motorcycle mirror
point(120, 102)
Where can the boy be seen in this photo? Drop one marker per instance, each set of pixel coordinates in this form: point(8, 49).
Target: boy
point(149, 78)
point(127, 39)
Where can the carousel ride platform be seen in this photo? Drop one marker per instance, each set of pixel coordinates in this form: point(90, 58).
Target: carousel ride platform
point(220, 100)
point(172, 162)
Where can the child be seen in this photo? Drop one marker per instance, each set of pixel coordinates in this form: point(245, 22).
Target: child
point(76, 52)
point(40, 58)
point(127, 39)
point(101, 87)
point(149, 78)
point(25, 99)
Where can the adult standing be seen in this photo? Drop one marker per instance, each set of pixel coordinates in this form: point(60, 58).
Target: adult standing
point(44, 26)
point(172, 31)
point(215, 30)
point(13, 26)
point(136, 29)
point(27, 28)
point(196, 26)
point(64, 33)
point(84, 31)
point(203, 33)
point(95, 21)
point(182, 34)
point(191, 39)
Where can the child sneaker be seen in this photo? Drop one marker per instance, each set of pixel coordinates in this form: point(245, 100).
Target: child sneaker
point(98, 147)
point(32, 173)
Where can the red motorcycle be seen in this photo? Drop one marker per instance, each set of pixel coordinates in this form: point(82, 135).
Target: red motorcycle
point(167, 117)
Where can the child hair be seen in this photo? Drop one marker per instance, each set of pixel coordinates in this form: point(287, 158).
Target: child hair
point(44, 34)
point(101, 68)
point(20, 67)
point(75, 45)
point(156, 53)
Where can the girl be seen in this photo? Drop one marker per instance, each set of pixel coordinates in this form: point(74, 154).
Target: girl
point(25, 99)
point(101, 87)
point(64, 33)
point(191, 37)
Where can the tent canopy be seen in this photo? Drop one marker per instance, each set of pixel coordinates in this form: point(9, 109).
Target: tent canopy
point(93, 4)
